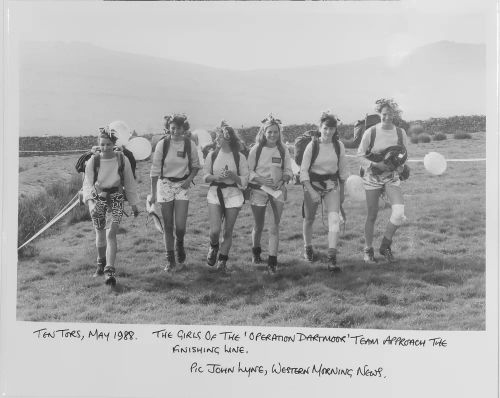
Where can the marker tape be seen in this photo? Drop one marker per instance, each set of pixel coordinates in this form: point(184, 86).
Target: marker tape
point(50, 223)
point(421, 160)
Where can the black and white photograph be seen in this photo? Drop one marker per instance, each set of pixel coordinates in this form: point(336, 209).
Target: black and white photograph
point(329, 166)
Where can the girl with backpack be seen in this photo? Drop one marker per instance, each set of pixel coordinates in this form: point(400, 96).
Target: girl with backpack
point(226, 169)
point(175, 164)
point(322, 173)
point(270, 166)
point(108, 175)
point(382, 177)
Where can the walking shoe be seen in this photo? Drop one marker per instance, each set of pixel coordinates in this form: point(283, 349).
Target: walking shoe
point(272, 263)
point(213, 250)
point(170, 265)
point(101, 263)
point(256, 251)
point(309, 254)
point(221, 263)
point(332, 262)
point(109, 275)
point(181, 253)
point(369, 256)
point(385, 250)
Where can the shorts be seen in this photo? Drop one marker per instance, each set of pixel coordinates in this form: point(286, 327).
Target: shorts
point(103, 215)
point(233, 197)
point(259, 198)
point(168, 191)
point(373, 181)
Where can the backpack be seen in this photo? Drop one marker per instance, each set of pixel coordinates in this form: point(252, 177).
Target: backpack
point(302, 141)
point(259, 151)
point(360, 127)
point(236, 156)
point(83, 159)
point(166, 146)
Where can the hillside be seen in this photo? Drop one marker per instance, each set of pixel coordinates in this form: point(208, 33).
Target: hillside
point(73, 88)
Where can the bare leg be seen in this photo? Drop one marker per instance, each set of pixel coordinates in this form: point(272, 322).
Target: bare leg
point(229, 221)
point(307, 223)
point(167, 211)
point(274, 226)
point(372, 197)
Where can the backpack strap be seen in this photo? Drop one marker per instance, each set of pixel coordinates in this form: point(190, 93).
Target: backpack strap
point(166, 145)
point(257, 156)
point(187, 149)
point(373, 134)
point(315, 151)
point(121, 167)
point(336, 146)
point(97, 163)
point(400, 136)
point(215, 153)
point(236, 155)
point(282, 154)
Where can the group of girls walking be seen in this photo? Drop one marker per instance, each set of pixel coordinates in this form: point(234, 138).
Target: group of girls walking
point(262, 177)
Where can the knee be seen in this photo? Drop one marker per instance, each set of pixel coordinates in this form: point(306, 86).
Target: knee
point(308, 222)
point(398, 215)
point(214, 234)
point(372, 215)
point(258, 227)
point(180, 231)
point(228, 234)
point(333, 222)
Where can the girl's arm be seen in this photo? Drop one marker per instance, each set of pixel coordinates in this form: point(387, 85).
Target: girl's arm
point(157, 156)
point(88, 180)
point(207, 175)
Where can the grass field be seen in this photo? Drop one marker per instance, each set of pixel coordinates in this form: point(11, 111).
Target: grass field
point(437, 283)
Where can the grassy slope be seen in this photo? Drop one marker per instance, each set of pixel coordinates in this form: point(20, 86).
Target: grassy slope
point(439, 282)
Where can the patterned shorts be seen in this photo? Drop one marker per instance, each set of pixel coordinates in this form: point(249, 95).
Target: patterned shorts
point(168, 191)
point(259, 198)
point(373, 181)
point(104, 214)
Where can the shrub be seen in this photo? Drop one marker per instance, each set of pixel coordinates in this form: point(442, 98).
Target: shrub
point(415, 129)
point(439, 136)
point(37, 210)
point(414, 139)
point(462, 135)
point(424, 138)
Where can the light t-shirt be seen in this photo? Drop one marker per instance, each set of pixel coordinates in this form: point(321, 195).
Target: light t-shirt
point(269, 157)
point(383, 139)
point(175, 164)
point(108, 177)
point(226, 159)
point(325, 163)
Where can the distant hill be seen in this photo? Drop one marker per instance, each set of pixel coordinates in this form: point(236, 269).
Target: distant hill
point(74, 88)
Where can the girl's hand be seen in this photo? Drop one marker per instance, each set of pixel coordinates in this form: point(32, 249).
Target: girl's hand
point(135, 210)
point(153, 198)
point(264, 181)
point(380, 166)
point(315, 197)
point(230, 174)
point(279, 185)
point(186, 183)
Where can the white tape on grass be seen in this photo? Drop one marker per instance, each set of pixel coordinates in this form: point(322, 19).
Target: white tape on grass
point(421, 160)
point(51, 222)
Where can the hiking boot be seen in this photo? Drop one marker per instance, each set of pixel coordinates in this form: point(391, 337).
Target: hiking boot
point(101, 263)
point(332, 262)
point(109, 275)
point(213, 250)
point(369, 256)
point(256, 251)
point(221, 263)
point(309, 254)
point(385, 250)
point(181, 253)
point(272, 263)
point(170, 265)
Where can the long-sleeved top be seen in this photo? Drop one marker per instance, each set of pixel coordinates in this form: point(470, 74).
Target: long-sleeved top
point(269, 164)
point(175, 165)
point(226, 159)
point(325, 163)
point(108, 177)
point(383, 139)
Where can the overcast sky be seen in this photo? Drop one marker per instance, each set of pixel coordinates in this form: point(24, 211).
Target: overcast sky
point(243, 35)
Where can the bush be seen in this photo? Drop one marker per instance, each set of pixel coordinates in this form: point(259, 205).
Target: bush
point(37, 210)
point(424, 138)
point(439, 136)
point(462, 135)
point(414, 139)
point(415, 129)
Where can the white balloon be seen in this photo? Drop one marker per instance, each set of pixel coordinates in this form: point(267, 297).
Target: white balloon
point(354, 187)
point(122, 132)
point(435, 163)
point(204, 137)
point(140, 147)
